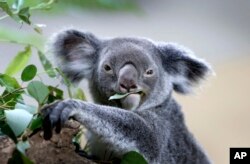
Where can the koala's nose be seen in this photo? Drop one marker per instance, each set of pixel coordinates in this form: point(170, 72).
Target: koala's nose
point(127, 80)
point(127, 86)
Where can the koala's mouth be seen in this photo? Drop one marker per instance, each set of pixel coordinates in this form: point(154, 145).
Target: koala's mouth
point(129, 100)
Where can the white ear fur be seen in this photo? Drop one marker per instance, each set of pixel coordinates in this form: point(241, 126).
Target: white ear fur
point(185, 69)
point(75, 53)
point(181, 84)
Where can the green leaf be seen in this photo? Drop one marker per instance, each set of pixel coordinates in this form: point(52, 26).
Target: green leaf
point(22, 146)
point(17, 5)
point(29, 108)
point(2, 116)
point(18, 120)
point(133, 157)
point(12, 93)
point(65, 79)
point(10, 83)
point(121, 96)
point(118, 96)
point(55, 94)
point(46, 64)
point(12, 12)
point(19, 158)
point(44, 5)
point(36, 123)
point(78, 140)
point(29, 73)
point(38, 91)
point(19, 36)
point(79, 94)
point(9, 99)
point(24, 15)
point(5, 7)
point(5, 128)
point(19, 62)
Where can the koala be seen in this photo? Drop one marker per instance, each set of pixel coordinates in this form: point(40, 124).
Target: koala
point(150, 121)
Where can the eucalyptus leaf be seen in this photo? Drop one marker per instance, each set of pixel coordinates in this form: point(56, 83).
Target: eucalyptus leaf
point(5, 128)
point(29, 73)
point(48, 67)
point(29, 108)
point(24, 15)
point(118, 96)
point(18, 120)
point(9, 99)
point(19, 62)
point(36, 123)
point(22, 146)
point(79, 94)
point(65, 79)
point(21, 37)
point(2, 116)
point(121, 96)
point(38, 91)
point(77, 139)
point(58, 93)
point(10, 83)
point(133, 157)
point(44, 5)
point(5, 7)
point(54, 94)
point(17, 5)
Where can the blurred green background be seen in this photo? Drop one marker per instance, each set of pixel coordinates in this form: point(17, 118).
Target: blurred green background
point(218, 31)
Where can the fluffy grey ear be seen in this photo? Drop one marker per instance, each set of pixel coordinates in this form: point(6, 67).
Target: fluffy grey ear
point(75, 53)
point(184, 68)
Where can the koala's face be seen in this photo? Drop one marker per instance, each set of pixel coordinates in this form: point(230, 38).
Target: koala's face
point(126, 65)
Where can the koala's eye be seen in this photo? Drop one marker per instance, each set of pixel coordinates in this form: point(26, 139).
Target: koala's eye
point(149, 72)
point(107, 68)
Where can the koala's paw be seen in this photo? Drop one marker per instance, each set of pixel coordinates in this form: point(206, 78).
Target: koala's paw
point(55, 115)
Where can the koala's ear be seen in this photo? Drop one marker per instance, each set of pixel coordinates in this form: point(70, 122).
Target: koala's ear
point(184, 68)
point(75, 53)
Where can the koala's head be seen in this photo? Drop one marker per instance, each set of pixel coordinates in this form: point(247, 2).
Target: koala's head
point(124, 65)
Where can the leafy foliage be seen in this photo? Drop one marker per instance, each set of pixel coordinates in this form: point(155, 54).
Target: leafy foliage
point(18, 119)
point(133, 157)
point(29, 73)
point(19, 10)
point(38, 91)
point(46, 65)
point(36, 123)
point(19, 62)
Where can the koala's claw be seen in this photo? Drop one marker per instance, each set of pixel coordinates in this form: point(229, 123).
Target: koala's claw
point(55, 115)
point(47, 128)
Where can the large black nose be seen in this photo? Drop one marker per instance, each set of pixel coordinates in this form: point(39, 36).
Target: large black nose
point(127, 79)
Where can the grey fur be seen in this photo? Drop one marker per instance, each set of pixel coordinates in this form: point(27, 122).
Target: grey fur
point(155, 128)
